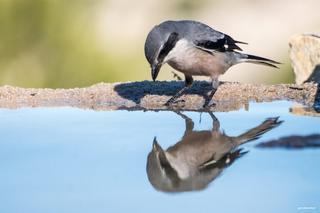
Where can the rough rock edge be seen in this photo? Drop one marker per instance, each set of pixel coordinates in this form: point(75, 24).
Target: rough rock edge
point(148, 95)
point(305, 57)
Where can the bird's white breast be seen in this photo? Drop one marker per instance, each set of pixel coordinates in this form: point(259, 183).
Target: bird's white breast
point(188, 59)
point(179, 50)
point(180, 164)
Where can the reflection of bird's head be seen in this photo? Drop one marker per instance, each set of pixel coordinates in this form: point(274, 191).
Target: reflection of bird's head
point(160, 173)
point(164, 177)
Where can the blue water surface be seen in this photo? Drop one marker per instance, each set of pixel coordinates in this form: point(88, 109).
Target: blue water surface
point(75, 160)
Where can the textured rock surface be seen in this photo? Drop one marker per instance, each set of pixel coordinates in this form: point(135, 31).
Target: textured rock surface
point(152, 95)
point(305, 57)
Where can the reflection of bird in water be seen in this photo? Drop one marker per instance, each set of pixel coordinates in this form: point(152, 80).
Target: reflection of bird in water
point(200, 156)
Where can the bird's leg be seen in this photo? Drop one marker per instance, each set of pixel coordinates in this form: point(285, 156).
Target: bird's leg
point(188, 122)
point(188, 83)
point(215, 122)
point(208, 100)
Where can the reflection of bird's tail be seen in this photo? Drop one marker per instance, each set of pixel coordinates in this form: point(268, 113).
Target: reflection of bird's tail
point(258, 131)
point(235, 155)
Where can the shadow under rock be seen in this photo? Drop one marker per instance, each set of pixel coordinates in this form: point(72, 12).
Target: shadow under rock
point(316, 104)
point(293, 142)
point(315, 77)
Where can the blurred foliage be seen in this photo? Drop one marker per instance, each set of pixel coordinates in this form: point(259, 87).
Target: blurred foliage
point(188, 7)
point(284, 74)
point(52, 43)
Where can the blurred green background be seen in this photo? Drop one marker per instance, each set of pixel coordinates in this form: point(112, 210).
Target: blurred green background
point(58, 43)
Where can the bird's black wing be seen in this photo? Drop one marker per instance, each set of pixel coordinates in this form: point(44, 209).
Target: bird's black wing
point(208, 39)
point(226, 43)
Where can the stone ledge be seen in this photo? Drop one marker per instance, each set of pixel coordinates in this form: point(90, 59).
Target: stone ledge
point(149, 95)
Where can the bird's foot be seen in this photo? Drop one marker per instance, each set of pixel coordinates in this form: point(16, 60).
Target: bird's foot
point(209, 104)
point(175, 103)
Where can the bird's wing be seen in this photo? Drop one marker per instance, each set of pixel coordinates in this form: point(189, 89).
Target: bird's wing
point(225, 43)
point(210, 40)
point(225, 161)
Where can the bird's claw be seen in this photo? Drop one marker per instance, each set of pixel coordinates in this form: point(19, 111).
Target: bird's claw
point(209, 104)
point(173, 103)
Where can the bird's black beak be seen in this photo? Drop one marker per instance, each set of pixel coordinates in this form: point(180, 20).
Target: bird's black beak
point(155, 68)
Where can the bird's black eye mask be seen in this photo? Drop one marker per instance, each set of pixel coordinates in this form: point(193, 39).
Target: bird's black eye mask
point(168, 46)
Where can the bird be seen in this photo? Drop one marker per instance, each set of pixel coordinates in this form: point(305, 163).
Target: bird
point(199, 157)
point(195, 49)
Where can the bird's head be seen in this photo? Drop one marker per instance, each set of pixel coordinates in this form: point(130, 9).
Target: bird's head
point(160, 173)
point(160, 41)
point(164, 177)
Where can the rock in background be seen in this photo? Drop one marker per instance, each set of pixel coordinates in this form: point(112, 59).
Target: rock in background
point(305, 57)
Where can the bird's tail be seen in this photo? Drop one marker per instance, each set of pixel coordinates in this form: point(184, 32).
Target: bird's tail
point(258, 131)
point(257, 60)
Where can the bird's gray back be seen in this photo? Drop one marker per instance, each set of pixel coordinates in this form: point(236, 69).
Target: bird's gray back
point(187, 29)
point(192, 30)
